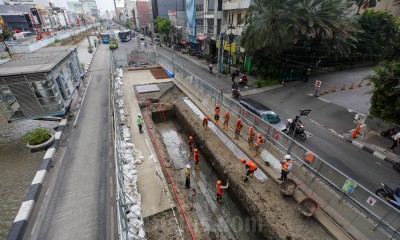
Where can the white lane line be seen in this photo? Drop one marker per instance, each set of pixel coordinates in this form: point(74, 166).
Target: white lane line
point(357, 144)
point(112, 222)
point(83, 98)
point(324, 100)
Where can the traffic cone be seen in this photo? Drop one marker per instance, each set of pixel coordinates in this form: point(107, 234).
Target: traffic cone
point(326, 90)
point(322, 92)
point(351, 86)
point(360, 83)
point(343, 87)
point(354, 134)
point(334, 88)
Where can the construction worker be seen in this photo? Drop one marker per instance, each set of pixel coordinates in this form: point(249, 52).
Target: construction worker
point(216, 116)
point(220, 190)
point(238, 127)
point(226, 121)
point(259, 141)
point(205, 123)
point(187, 176)
point(250, 138)
point(191, 145)
point(286, 167)
point(250, 166)
point(196, 159)
point(139, 122)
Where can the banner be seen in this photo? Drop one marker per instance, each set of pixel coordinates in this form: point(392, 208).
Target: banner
point(191, 19)
point(227, 45)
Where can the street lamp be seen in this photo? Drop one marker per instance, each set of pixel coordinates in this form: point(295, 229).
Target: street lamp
point(231, 37)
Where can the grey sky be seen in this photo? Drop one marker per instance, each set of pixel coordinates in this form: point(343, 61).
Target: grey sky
point(103, 5)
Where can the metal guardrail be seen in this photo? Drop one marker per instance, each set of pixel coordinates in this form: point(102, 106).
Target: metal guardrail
point(385, 216)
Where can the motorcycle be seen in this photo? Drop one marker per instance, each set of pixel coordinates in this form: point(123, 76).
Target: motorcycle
point(389, 133)
point(236, 93)
point(388, 194)
point(243, 82)
point(299, 129)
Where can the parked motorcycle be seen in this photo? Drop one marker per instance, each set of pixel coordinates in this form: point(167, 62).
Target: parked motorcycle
point(388, 194)
point(236, 93)
point(389, 133)
point(298, 129)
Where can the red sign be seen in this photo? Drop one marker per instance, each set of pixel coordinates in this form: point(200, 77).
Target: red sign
point(318, 83)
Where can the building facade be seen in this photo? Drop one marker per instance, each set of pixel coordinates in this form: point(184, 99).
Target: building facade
point(144, 15)
point(39, 84)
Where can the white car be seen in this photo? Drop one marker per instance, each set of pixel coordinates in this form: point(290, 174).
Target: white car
point(141, 37)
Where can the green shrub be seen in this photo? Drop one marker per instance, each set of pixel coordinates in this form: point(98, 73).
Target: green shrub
point(265, 82)
point(36, 136)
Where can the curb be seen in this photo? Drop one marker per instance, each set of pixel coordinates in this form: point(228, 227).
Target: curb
point(87, 66)
point(20, 223)
point(377, 154)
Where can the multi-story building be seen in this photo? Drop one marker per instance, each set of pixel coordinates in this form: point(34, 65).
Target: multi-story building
point(44, 3)
point(144, 15)
point(161, 7)
point(21, 17)
point(130, 12)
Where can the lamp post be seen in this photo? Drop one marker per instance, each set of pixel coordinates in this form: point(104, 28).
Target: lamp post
point(231, 37)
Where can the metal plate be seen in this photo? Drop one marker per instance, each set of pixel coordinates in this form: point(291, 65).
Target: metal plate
point(147, 88)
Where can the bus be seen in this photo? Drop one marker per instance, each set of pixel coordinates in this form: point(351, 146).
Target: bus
point(105, 37)
point(125, 35)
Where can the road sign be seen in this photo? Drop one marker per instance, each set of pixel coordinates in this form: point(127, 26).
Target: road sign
point(371, 201)
point(318, 83)
point(304, 112)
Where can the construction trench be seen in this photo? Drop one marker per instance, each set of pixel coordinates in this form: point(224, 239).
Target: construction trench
point(250, 210)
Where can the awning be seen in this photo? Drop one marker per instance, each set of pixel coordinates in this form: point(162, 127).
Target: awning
point(183, 41)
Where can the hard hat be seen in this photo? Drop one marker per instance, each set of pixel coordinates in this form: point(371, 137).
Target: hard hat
point(139, 115)
point(195, 149)
point(239, 120)
point(251, 128)
point(188, 166)
point(227, 113)
point(217, 105)
point(259, 135)
point(219, 182)
point(242, 160)
point(287, 157)
point(190, 137)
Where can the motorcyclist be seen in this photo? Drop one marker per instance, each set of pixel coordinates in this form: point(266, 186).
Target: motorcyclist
point(234, 87)
point(294, 123)
point(244, 79)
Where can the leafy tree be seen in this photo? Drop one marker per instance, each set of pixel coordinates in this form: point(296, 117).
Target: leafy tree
point(379, 35)
point(385, 100)
point(128, 24)
point(163, 25)
point(7, 34)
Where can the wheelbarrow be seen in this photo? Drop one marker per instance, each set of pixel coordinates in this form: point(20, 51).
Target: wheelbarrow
point(288, 187)
point(308, 206)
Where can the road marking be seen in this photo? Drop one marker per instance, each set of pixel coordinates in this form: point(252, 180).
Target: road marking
point(83, 98)
point(25, 211)
point(112, 222)
point(324, 100)
point(379, 155)
point(378, 163)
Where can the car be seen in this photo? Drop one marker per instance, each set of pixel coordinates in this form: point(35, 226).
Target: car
point(264, 112)
point(141, 37)
point(156, 39)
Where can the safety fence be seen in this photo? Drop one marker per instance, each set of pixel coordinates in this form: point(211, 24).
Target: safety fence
point(356, 209)
point(130, 222)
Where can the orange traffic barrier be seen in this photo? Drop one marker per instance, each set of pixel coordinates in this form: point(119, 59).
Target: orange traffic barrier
point(360, 83)
point(334, 88)
point(344, 87)
point(351, 86)
point(354, 134)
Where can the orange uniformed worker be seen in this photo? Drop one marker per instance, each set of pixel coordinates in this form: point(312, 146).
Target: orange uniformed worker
point(226, 121)
point(259, 141)
point(216, 116)
point(205, 123)
point(196, 159)
point(220, 190)
point(191, 145)
point(238, 127)
point(250, 166)
point(286, 167)
point(250, 138)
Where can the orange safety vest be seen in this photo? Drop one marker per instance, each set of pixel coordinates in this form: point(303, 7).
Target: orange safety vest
point(219, 190)
point(226, 118)
point(196, 157)
point(259, 141)
point(239, 126)
point(285, 165)
point(251, 135)
point(251, 165)
point(205, 120)
point(217, 111)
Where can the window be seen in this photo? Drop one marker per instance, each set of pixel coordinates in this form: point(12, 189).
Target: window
point(239, 19)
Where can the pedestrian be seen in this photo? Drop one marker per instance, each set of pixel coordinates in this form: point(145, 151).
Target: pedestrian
point(216, 116)
point(307, 75)
point(196, 159)
point(250, 138)
point(396, 141)
point(226, 121)
point(250, 166)
point(286, 167)
point(210, 67)
point(139, 122)
point(145, 44)
point(191, 145)
point(259, 141)
point(220, 190)
point(187, 176)
point(238, 127)
point(233, 75)
point(205, 123)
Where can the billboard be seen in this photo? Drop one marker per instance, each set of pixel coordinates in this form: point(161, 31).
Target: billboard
point(191, 20)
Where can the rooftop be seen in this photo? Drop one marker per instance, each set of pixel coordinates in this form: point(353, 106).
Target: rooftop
point(42, 60)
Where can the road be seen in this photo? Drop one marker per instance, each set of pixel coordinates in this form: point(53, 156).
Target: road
point(361, 166)
point(78, 200)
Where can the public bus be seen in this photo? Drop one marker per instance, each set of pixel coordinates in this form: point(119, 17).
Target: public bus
point(105, 37)
point(125, 35)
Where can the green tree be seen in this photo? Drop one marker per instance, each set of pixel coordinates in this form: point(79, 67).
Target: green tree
point(364, 4)
point(163, 25)
point(385, 100)
point(379, 35)
point(128, 24)
point(6, 34)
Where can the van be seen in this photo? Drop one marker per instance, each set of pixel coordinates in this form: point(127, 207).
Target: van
point(22, 35)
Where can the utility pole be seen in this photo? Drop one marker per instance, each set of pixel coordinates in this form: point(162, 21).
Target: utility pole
point(218, 65)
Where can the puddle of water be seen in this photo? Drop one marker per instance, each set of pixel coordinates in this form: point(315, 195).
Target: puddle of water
point(18, 166)
point(214, 217)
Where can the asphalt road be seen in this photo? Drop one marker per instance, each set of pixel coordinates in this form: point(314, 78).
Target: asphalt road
point(77, 201)
point(361, 166)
